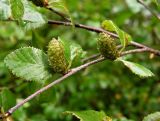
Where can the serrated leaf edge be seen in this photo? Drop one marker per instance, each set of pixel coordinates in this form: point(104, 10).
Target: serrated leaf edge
point(15, 73)
point(121, 60)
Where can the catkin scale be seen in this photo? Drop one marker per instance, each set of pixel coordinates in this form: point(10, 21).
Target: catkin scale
point(107, 46)
point(56, 56)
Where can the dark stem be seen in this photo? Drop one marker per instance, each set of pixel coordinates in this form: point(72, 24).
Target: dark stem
point(62, 15)
point(135, 51)
point(142, 48)
point(73, 71)
point(151, 11)
point(90, 28)
point(98, 30)
point(91, 57)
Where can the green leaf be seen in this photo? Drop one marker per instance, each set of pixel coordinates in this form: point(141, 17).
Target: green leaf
point(7, 99)
point(60, 6)
point(157, 3)
point(137, 68)
point(5, 11)
point(90, 115)
point(109, 26)
point(76, 50)
point(123, 36)
point(67, 50)
point(29, 63)
point(152, 117)
point(73, 52)
point(32, 17)
point(77, 54)
point(17, 9)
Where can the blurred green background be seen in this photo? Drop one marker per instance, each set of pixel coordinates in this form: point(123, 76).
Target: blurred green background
point(106, 86)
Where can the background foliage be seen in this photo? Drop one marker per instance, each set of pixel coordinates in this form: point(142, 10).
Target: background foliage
point(105, 86)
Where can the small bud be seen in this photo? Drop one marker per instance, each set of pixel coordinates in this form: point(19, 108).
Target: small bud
point(107, 46)
point(41, 3)
point(9, 118)
point(151, 56)
point(56, 56)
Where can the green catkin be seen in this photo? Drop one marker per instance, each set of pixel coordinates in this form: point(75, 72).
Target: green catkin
point(107, 46)
point(56, 56)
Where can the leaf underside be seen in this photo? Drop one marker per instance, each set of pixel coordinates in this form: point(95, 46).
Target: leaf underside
point(137, 69)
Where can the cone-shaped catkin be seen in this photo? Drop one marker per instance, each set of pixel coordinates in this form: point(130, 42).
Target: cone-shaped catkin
point(107, 46)
point(56, 56)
